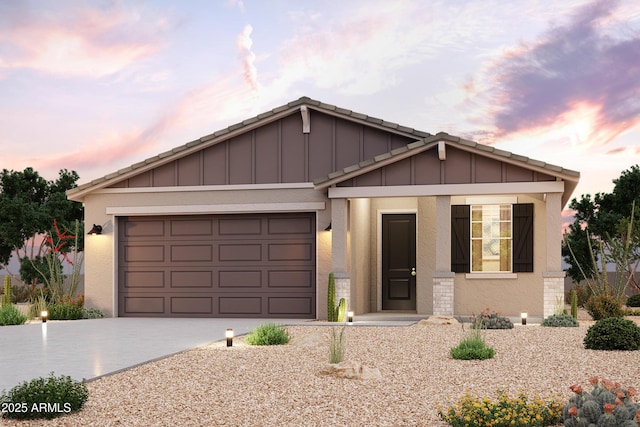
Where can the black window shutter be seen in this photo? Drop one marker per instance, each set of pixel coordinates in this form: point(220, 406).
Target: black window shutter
point(523, 238)
point(460, 238)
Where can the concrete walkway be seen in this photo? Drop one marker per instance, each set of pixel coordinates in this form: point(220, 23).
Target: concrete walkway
point(85, 349)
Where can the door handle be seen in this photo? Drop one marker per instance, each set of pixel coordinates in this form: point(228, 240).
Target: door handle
point(413, 272)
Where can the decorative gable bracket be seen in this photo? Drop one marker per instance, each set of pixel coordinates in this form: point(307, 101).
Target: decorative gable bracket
point(306, 119)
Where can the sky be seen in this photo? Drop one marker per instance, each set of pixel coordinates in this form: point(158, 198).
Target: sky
point(95, 86)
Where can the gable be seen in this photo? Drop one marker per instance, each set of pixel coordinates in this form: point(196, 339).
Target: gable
point(277, 152)
point(459, 167)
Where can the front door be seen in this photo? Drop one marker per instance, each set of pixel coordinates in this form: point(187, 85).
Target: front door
point(398, 262)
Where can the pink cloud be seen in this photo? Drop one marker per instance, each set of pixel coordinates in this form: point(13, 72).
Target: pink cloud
point(583, 69)
point(243, 45)
point(87, 42)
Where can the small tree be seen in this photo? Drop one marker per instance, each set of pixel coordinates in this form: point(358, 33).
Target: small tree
point(620, 250)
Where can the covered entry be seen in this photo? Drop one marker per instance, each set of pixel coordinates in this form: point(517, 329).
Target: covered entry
point(237, 265)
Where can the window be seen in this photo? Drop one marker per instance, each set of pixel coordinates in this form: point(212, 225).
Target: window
point(491, 243)
point(502, 238)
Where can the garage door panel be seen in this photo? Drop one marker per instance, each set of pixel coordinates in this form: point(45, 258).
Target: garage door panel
point(192, 305)
point(234, 279)
point(191, 279)
point(191, 253)
point(147, 228)
point(144, 253)
point(288, 306)
point(245, 252)
point(143, 279)
point(217, 266)
point(240, 226)
point(144, 305)
point(290, 252)
point(302, 225)
point(191, 227)
point(290, 279)
point(240, 305)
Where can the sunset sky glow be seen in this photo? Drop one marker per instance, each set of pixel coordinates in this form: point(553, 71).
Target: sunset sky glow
point(96, 86)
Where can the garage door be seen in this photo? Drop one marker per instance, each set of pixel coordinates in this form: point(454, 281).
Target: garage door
point(217, 266)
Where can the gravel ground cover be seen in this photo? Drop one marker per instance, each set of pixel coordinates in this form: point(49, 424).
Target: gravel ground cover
point(285, 386)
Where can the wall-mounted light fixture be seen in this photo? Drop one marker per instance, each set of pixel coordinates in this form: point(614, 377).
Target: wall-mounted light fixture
point(350, 317)
point(229, 335)
point(97, 229)
point(523, 318)
point(43, 315)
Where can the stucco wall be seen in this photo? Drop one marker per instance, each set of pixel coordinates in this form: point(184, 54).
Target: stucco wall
point(361, 273)
point(100, 259)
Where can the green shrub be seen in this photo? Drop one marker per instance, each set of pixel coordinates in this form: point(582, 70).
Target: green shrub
point(268, 334)
point(472, 346)
point(65, 311)
point(560, 320)
point(608, 401)
point(603, 306)
point(10, 315)
point(44, 398)
point(337, 346)
point(488, 319)
point(92, 313)
point(633, 301)
point(471, 411)
point(613, 333)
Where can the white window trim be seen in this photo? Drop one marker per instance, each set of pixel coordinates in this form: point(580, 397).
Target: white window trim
point(491, 275)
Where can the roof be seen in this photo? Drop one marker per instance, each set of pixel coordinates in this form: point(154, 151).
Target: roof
point(226, 133)
point(424, 141)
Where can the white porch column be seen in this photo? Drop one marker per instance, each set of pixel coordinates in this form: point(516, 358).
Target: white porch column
point(553, 276)
point(339, 250)
point(443, 278)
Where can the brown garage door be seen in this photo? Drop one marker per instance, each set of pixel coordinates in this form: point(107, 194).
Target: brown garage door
point(217, 266)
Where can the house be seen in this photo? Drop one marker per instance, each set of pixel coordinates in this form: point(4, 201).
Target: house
point(250, 220)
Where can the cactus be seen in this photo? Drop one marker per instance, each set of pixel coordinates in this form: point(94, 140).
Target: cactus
point(606, 397)
point(332, 316)
point(621, 414)
point(341, 310)
point(574, 304)
point(607, 420)
point(7, 297)
point(591, 410)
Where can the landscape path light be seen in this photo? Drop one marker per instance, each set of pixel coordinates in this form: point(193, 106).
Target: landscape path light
point(229, 336)
point(523, 318)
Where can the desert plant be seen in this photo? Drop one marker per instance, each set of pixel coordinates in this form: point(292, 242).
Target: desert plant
point(472, 346)
point(331, 299)
point(582, 292)
point(560, 320)
point(341, 310)
point(488, 319)
point(10, 315)
point(472, 411)
point(337, 346)
point(613, 333)
point(6, 295)
point(574, 304)
point(268, 334)
point(65, 311)
point(44, 398)
point(633, 301)
point(608, 404)
point(603, 306)
point(92, 313)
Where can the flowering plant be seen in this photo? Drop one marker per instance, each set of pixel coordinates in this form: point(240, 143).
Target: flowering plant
point(608, 402)
point(472, 411)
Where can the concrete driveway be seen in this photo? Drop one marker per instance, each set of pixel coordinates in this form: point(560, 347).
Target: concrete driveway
point(85, 349)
